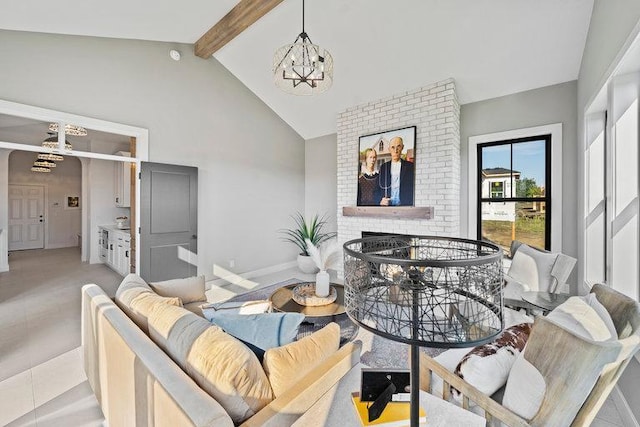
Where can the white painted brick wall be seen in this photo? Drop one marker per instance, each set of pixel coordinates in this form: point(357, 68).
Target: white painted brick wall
point(435, 112)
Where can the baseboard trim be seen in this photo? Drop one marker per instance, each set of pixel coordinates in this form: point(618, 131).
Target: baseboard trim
point(4, 268)
point(226, 277)
point(626, 414)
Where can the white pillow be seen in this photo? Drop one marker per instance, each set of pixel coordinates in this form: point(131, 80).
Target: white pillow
point(585, 317)
point(525, 389)
point(532, 268)
point(487, 366)
point(188, 290)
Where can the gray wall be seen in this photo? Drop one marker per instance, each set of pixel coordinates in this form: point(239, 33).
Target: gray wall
point(251, 162)
point(320, 180)
point(612, 23)
point(542, 106)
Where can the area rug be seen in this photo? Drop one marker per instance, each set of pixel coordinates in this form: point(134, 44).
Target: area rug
point(377, 352)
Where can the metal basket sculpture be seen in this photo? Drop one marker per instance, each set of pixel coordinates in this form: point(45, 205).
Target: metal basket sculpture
point(425, 291)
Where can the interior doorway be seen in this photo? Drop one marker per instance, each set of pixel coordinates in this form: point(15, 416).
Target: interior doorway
point(26, 217)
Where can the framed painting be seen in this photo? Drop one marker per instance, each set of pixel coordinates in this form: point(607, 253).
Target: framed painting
point(386, 173)
point(71, 202)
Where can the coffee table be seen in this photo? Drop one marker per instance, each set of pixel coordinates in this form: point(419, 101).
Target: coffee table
point(545, 300)
point(316, 317)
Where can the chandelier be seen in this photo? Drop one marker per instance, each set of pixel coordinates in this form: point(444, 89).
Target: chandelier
point(69, 129)
point(302, 68)
point(52, 143)
point(50, 156)
point(41, 169)
point(44, 163)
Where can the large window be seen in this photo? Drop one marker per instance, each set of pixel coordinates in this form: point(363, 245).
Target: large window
point(514, 191)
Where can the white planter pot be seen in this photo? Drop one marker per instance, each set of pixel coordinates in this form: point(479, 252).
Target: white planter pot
point(306, 264)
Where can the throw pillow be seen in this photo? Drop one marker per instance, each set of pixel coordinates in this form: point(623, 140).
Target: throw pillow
point(487, 366)
point(189, 290)
point(144, 303)
point(532, 268)
point(525, 389)
point(286, 365)
point(259, 331)
point(220, 364)
point(240, 307)
point(585, 317)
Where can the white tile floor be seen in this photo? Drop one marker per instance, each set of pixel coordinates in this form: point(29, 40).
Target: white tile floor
point(41, 378)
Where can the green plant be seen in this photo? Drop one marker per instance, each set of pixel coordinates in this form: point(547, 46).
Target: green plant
point(311, 230)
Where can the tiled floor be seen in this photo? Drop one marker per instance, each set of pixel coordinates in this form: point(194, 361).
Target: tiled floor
point(41, 378)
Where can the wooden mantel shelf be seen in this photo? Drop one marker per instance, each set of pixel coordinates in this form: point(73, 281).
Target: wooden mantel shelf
point(399, 212)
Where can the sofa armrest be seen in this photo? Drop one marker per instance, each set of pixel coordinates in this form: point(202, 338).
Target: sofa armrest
point(288, 407)
point(492, 409)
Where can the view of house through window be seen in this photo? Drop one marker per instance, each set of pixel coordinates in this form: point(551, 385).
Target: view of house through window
point(514, 191)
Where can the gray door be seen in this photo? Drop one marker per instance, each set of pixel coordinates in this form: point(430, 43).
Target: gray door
point(168, 221)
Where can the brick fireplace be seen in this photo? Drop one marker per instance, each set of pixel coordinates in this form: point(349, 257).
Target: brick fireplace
point(435, 111)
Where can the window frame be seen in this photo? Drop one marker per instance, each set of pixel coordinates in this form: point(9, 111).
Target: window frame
point(548, 184)
point(555, 130)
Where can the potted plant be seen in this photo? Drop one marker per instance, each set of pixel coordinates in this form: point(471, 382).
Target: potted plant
point(311, 230)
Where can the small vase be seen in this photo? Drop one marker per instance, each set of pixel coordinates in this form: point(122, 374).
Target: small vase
point(322, 284)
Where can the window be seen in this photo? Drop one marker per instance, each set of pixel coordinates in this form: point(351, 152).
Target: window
point(514, 191)
point(498, 145)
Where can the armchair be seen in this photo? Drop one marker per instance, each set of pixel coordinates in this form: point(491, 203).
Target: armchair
point(577, 373)
point(535, 269)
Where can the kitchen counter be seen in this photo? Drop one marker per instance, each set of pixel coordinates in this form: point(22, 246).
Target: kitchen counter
point(115, 247)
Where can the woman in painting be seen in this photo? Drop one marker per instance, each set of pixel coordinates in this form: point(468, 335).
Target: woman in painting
point(369, 193)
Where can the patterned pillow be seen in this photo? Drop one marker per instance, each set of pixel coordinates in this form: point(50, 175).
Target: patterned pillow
point(487, 366)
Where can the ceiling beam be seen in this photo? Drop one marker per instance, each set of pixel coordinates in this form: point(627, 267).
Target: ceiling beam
point(241, 17)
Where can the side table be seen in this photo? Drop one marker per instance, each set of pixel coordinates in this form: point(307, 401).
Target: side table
point(316, 317)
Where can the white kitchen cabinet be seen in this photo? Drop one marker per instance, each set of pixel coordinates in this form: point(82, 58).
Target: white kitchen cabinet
point(122, 179)
point(116, 248)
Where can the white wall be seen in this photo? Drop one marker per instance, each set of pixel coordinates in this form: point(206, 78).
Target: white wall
point(62, 226)
point(320, 179)
point(251, 163)
point(4, 208)
point(613, 23)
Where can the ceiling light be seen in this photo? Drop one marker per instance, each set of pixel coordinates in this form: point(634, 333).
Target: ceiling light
point(303, 68)
point(52, 143)
point(50, 156)
point(40, 169)
point(69, 129)
point(45, 163)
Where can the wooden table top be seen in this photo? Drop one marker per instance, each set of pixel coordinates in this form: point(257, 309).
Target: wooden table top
point(282, 300)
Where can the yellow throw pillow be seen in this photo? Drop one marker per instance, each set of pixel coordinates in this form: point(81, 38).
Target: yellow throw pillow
point(220, 364)
point(288, 364)
point(143, 303)
point(190, 289)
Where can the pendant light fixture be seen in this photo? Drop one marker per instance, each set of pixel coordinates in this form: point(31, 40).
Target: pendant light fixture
point(45, 163)
point(303, 68)
point(50, 156)
point(72, 130)
point(40, 169)
point(52, 142)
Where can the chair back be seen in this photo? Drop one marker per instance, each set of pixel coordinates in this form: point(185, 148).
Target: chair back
point(625, 313)
point(560, 271)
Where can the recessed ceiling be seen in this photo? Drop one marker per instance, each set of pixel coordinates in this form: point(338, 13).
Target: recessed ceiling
point(380, 48)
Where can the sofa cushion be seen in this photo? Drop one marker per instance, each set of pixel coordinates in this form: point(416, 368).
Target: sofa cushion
point(586, 317)
point(190, 289)
point(532, 267)
point(259, 331)
point(220, 364)
point(525, 389)
point(131, 287)
point(287, 364)
point(487, 366)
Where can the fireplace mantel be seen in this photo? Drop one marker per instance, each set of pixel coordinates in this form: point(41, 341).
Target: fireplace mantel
point(399, 212)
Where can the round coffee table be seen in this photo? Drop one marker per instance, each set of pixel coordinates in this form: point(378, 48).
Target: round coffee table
point(316, 317)
point(544, 300)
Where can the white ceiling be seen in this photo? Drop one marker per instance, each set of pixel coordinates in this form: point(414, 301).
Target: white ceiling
point(380, 47)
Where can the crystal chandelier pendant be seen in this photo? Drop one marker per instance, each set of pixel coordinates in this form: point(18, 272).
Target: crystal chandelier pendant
point(40, 169)
point(50, 156)
point(303, 68)
point(52, 143)
point(69, 129)
point(45, 163)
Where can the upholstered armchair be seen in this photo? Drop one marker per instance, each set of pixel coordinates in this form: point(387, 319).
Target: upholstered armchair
point(535, 269)
point(564, 374)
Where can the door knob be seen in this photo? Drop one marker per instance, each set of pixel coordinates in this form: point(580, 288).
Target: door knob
point(195, 236)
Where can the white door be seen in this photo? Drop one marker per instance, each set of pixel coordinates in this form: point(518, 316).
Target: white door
point(26, 217)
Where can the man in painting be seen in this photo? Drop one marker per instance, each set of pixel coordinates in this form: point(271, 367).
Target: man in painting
point(368, 188)
point(396, 177)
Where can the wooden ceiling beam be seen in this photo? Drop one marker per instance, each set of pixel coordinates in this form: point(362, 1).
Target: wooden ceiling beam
point(241, 17)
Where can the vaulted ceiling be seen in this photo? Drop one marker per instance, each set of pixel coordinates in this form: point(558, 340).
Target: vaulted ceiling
point(380, 47)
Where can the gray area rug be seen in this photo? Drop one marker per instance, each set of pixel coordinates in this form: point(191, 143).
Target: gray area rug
point(377, 352)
